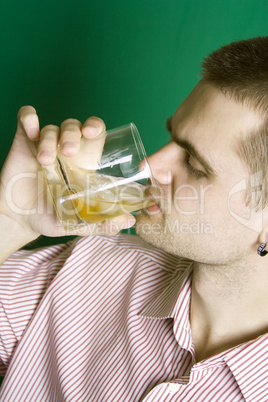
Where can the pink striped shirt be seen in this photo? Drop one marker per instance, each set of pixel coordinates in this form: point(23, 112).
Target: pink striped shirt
point(107, 319)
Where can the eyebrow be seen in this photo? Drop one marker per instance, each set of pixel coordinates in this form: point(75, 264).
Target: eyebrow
point(190, 148)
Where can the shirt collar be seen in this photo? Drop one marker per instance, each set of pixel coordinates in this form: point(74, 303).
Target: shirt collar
point(248, 361)
point(249, 365)
point(167, 302)
point(173, 301)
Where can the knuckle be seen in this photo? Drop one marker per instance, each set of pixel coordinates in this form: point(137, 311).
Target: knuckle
point(71, 122)
point(96, 121)
point(49, 136)
point(50, 128)
point(47, 144)
point(71, 127)
point(72, 135)
point(70, 131)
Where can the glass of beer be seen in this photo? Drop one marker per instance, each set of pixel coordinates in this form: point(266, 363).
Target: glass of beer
point(108, 177)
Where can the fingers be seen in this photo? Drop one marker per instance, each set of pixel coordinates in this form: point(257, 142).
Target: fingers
point(92, 127)
point(28, 122)
point(72, 129)
point(67, 137)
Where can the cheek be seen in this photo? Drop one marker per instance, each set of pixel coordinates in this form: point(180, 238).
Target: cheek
point(194, 199)
point(227, 213)
point(243, 216)
point(236, 202)
point(187, 199)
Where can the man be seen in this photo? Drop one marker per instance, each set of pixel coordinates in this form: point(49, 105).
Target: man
point(115, 319)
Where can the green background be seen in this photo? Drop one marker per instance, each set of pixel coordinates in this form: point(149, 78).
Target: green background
point(122, 60)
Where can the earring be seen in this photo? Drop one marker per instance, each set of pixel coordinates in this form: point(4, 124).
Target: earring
point(261, 250)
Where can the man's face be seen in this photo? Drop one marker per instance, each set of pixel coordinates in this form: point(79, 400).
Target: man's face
point(202, 213)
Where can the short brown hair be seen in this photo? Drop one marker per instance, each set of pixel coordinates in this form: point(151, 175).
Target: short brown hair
point(240, 69)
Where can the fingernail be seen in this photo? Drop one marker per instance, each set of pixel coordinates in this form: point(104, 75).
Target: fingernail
point(93, 130)
point(68, 147)
point(45, 157)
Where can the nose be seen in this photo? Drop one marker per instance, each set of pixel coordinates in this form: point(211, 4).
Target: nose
point(160, 163)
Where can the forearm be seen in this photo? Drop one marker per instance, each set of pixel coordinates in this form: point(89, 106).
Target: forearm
point(13, 236)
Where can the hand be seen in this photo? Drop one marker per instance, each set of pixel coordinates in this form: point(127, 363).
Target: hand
point(23, 196)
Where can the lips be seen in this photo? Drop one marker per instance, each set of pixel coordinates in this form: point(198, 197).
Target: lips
point(154, 208)
point(153, 193)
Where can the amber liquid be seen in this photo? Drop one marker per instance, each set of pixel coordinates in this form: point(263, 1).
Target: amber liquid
point(101, 206)
point(97, 199)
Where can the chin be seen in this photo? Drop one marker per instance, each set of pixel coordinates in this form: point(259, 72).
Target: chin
point(147, 226)
point(155, 230)
point(151, 228)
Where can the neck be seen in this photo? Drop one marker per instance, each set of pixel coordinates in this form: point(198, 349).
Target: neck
point(228, 305)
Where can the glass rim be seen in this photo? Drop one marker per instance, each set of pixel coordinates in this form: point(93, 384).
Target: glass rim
point(139, 145)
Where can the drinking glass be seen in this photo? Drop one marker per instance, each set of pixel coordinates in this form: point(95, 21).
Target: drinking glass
point(108, 177)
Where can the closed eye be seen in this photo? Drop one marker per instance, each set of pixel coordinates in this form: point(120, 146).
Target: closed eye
point(192, 151)
point(193, 171)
